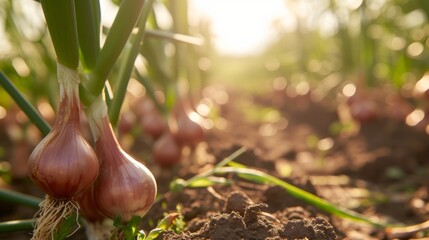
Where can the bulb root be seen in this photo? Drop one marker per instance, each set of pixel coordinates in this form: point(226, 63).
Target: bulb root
point(50, 215)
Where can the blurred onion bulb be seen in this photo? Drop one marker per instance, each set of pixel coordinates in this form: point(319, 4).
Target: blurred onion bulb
point(124, 187)
point(187, 129)
point(63, 164)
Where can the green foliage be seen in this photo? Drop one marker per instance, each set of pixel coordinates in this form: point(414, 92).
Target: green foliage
point(29, 110)
point(74, 27)
point(260, 177)
point(124, 23)
point(88, 28)
point(129, 230)
point(19, 198)
point(172, 221)
point(68, 227)
point(384, 42)
point(127, 65)
point(61, 20)
point(16, 225)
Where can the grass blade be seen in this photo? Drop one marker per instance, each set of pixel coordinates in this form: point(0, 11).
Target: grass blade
point(61, 20)
point(259, 177)
point(128, 65)
point(150, 90)
point(25, 106)
point(122, 26)
point(88, 27)
point(16, 225)
point(174, 37)
point(19, 198)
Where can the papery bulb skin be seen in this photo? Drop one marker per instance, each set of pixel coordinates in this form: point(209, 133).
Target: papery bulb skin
point(153, 124)
point(189, 131)
point(146, 106)
point(166, 151)
point(63, 164)
point(363, 110)
point(87, 206)
point(124, 187)
point(186, 127)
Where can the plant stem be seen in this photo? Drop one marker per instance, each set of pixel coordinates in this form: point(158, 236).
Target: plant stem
point(124, 22)
point(175, 37)
point(258, 176)
point(19, 198)
point(150, 90)
point(128, 65)
point(212, 171)
point(261, 177)
point(61, 20)
point(88, 28)
point(25, 106)
point(16, 225)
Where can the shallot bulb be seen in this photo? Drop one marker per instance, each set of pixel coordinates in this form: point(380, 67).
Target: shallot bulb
point(166, 151)
point(63, 164)
point(188, 130)
point(88, 207)
point(124, 187)
point(363, 109)
point(153, 124)
point(95, 226)
point(151, 119)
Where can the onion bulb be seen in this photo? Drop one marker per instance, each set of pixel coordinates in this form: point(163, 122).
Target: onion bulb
point(124, 187)
point(63, 164)
point(88, 207)
point(153, 124)
point(188, 130)
point(166, 151)
point(95, 226)
point(362, 109)
point(151, 119)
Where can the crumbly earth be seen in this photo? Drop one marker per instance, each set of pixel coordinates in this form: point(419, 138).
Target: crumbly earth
point(243, 219)
point(378, 168)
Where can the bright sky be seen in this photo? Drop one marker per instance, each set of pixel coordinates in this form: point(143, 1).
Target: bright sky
point(241, 26)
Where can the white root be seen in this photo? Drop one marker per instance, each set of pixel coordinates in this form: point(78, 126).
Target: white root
point(50, 215)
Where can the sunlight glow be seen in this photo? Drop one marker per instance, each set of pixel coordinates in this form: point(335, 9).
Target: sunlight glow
point(421, 85)
point(349, 90)
point(3, 112)
point(240, 27)
point(415, 117)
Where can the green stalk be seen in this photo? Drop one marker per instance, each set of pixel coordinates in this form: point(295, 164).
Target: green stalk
point(17, 225)
point(128, 65)
point(61, 20)
point(158, 67)
point(261, 177)
point(124, 22)
point(19, 198)
point(150, 90)
point(176, 9)
point(174, 37)
point(25, 106)
point(88, 28)
point(208, 173)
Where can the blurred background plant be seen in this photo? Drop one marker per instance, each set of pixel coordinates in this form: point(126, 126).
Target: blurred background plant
point(323, 49)
point(366, 55)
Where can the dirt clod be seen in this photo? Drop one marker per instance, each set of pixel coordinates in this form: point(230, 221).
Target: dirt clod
point(237, 202)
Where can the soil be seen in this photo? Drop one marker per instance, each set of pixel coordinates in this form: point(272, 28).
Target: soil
point(378, 168)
